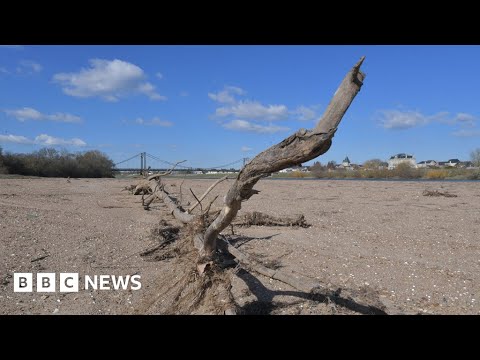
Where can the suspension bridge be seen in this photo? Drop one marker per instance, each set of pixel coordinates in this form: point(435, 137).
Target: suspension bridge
point(144, 162)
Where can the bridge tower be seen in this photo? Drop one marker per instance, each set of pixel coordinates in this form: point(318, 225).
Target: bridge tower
point(143, 163)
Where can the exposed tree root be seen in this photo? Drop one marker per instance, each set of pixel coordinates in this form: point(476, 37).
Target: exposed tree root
point(190, 293)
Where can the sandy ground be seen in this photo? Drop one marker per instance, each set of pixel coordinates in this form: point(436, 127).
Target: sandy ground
point(420, 253)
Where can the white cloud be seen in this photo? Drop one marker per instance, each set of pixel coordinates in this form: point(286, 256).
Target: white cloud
point(16, 139)
point(243, 125)
point(42, 139)
point(25, 113)
point(253, 113)
point(245, 148)
point(227, 95)
point(149, 90)
point(108, 79)
point(156, 121)
point(29, 66)
point(396, 119)
point(305, 113)
point(184, 93)
point(64, 117)
point(465, 119)
point(45, 139)
point(4, 70)
point(466, 133)
point(28, 113)
point(159, 75)
point(254, 110)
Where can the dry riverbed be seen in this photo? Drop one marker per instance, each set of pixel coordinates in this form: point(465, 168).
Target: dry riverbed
point(385, 239)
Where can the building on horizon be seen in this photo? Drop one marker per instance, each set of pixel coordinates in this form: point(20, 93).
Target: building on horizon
point(397, 159)
point(346, 162)
point(427, 164)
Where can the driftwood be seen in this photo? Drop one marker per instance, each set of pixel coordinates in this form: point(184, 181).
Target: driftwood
point(437, 193)
point(143, 188)
point(300, 147)
point(256, 218)
point(174, 208)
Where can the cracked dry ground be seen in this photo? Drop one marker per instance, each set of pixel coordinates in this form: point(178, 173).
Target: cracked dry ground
point(418, 252)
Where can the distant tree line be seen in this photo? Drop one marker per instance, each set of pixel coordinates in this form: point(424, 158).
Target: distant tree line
point(3, 169)
point(49, 162)
point(377, 169)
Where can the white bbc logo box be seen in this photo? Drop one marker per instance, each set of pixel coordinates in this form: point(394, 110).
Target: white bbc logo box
point(46, 282)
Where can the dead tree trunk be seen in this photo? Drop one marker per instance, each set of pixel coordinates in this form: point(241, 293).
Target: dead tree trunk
point(300, 147)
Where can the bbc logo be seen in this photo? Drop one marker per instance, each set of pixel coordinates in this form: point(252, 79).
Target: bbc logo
point(69, 282)
point(46, 282)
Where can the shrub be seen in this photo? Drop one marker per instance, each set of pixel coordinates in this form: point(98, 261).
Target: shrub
point(436, 174)
point(52, 163)
point(298, 174)
point(474, 175)
point(406, 171)
point(3, 169)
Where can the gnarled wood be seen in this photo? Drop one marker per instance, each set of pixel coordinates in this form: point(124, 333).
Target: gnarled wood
point(300, 147)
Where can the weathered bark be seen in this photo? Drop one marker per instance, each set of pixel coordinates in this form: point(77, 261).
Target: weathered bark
point(174, 208)
point(300, 147)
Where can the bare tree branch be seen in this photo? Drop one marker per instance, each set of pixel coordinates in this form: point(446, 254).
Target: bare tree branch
point(300, 147)
point(165, 173)
point(191, 208)
point(198, 201)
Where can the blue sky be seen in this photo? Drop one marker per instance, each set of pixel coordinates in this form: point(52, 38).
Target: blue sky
point(213, 105)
